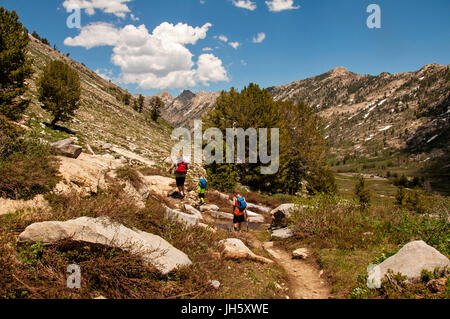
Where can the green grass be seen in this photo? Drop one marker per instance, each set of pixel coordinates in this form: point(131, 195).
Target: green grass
point(29, 169)
point(347, 239)
point(382, 190)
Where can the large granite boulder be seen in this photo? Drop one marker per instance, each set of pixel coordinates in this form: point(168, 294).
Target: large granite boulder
point(281, 214)
point(86, 175)
point(153, 249)
point(411, 260)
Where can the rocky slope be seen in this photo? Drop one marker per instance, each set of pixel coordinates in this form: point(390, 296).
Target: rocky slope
point(390, 120)
point(366, 113)
point(103, 121)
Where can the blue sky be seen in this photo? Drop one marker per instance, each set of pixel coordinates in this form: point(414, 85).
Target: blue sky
point(308, 38)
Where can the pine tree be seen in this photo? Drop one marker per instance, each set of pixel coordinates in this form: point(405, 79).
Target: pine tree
point(36, 35)
point(362, 193)
point(250, 108)
point(45, 41)
point(156, 104)
point(15, 67)
point(141, 103)
point(127, 99)
point(302, 146)
point(60, 91)
point(307, 153)
point(221, 176)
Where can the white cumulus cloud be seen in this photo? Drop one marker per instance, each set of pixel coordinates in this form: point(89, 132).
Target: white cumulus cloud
point(155, 60)
point(259, 38)
point(245, 4)
point(117, 7)
point(210, 69)
point(234, 45)
point(281, 5)
point(223, 38)
point(95, 34)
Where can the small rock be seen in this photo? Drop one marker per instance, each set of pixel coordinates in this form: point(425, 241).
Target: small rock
point(221, 195)
point(256, 220)
point(283, 233)
point(67, 148)
point(215, 284)
point(107, 147)
point(437, 285)
point(221, 215)
point(109, 157)
point(206, 208)
point(123, 160)
point(301, 253)
point(89, 150)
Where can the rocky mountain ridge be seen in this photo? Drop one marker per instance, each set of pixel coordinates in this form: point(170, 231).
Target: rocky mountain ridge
point(187, 107)
point(364, 115)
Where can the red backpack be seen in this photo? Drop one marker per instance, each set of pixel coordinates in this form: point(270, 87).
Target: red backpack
point(182, 168)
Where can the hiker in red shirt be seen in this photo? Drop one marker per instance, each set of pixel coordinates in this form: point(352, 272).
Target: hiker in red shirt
point(181, 168)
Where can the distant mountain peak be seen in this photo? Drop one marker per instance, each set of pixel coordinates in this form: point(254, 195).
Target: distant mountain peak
point(186, 95)
point(165, 93)
point(339, 71)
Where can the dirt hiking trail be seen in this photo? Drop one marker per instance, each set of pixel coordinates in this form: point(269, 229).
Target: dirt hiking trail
point(304, 279)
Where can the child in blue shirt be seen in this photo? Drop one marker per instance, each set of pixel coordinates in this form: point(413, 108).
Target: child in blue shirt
point(202, 190)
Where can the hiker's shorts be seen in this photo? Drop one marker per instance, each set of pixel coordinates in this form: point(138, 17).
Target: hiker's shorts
point(181, 181)
point(238, 219)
